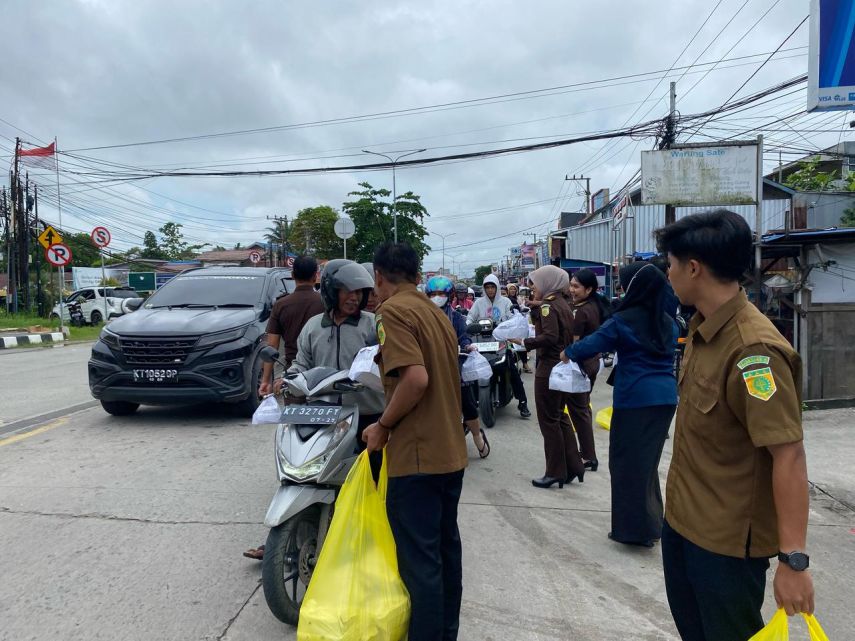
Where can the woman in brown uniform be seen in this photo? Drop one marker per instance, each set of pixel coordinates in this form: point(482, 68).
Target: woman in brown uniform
point(553, 324)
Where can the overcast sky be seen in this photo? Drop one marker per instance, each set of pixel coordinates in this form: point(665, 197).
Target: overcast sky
point(95, 73)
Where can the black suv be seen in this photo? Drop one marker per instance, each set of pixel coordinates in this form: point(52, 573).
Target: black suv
point(196, 339)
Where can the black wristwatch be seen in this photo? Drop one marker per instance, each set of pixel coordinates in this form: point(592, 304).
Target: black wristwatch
point(798, 561)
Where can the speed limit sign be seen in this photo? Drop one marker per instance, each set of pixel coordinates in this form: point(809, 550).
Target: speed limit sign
point(100, 237)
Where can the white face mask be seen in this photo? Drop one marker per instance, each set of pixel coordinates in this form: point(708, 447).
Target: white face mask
point(439, 301)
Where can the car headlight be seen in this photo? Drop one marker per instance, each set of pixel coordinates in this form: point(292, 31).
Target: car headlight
point(108, 337)
point(313, 467)
point(222, 337)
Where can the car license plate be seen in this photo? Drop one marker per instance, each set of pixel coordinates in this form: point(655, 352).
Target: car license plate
point(487, 347)
point(311, 414)
point(155, 375)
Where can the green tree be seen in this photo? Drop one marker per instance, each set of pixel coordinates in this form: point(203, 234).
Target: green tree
point(278, 232)
point(83, 252)
point(808, 177)
point(312, 232)
point(174, 246)
point(151, 248)
point(848, 218)
point(482, 272)
point(371, 213)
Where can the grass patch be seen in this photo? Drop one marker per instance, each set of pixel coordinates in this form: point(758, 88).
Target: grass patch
point(24, 322)
point(85, 333)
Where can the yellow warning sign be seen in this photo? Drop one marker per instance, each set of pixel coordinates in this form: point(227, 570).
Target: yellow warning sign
point(49, 237)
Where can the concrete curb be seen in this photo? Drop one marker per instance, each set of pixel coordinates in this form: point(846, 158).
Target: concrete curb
point(18, 340)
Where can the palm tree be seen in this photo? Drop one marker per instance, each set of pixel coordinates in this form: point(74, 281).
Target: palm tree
point(278, 233)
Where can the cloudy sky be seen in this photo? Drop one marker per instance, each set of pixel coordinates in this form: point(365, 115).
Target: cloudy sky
point(99, 73)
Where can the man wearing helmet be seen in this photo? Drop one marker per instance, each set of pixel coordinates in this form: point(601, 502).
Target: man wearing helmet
point(495, 307)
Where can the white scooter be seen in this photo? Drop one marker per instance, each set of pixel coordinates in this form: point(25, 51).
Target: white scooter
point(315, 447)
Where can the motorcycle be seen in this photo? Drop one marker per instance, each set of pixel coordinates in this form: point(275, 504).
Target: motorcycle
point(496, 392)
point(75, 313)
point(315, 447)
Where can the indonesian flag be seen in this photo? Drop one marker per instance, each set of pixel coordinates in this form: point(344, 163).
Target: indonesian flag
point(43, 157)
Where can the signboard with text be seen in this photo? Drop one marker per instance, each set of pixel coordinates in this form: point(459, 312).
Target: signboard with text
point(700, 175)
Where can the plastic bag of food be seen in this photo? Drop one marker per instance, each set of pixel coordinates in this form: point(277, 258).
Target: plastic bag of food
point(475, 368)
point(604, 418)
point(515, 327)
point(356, 593)
point(364, 370)
point(268, 411)
point(568, 377)
point(778, 629)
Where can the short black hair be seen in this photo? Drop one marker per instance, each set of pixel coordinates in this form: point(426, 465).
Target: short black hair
point(397, 262)
point(719, 239)
point(660, 262)
point(305, 268)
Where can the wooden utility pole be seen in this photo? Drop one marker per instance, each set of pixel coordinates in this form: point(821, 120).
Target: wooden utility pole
point(668, 141)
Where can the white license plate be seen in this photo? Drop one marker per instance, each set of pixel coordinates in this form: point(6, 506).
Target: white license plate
point(311, 414)
point(487, 347)
point(155, 375)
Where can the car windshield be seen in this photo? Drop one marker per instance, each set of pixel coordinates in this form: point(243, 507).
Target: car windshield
point(209, 290)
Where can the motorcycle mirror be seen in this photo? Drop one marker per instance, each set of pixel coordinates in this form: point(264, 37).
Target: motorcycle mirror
point(269, 354)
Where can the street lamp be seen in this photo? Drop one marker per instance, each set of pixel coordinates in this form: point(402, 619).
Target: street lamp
point(443, 236)
point(394, 190)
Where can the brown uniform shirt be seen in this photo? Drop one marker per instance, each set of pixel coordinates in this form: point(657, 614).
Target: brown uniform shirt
point(586, 321)
point(413, 331)
point(740, 391)
point(290, 313)
point(553, 331)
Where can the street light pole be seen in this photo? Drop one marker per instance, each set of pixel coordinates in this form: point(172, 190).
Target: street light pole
point(394, 186)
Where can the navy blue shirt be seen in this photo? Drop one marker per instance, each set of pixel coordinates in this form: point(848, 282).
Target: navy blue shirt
point(642, 379)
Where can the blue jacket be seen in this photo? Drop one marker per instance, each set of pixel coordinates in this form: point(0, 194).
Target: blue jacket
point(642, 379)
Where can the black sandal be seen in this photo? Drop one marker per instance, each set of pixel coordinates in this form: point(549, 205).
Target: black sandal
point(485, 451)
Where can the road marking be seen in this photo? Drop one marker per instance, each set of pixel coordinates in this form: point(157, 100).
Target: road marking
point(22, 425)
point(39, 430)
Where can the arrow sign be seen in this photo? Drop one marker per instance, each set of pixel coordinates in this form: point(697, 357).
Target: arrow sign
point(49, 237)
point(58, 255)
point(100, 237)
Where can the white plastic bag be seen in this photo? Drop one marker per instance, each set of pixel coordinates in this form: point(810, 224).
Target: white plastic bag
point(268, 411)
point(515, 327)
point(364, 370)
point(531, 331)
point(568, 377)
point(476, 368)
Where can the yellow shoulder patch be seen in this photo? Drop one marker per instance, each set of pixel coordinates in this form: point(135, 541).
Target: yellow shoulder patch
point(381, 331)
point(544, 310)
point(760, 383)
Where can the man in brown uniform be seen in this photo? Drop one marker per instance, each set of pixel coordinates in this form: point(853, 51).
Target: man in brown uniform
point(737, 489)
point(290, 313)
point(426, 448)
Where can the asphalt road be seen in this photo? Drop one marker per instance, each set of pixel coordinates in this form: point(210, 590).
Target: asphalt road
point(133, 528)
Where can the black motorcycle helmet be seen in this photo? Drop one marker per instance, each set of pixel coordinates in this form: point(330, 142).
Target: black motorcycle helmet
point(345, 274)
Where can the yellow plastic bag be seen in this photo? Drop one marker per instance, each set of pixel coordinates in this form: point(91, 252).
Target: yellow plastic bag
point(604, 418)
point(778, 629)
point(356, 593)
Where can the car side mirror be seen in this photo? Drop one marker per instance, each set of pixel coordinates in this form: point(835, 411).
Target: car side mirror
point(134, 304)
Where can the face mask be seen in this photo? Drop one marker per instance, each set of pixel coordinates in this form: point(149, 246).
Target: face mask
point(439, 301)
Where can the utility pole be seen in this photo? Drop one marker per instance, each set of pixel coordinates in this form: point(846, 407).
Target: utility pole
point(668, 140)
point(394, 186)
point(587, 189)
point(39, 308)
point(12, 289)
point(7, 229)
point(280, 223)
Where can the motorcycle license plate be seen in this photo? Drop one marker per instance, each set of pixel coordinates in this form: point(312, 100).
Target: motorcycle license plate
point(487, 347)
point(311, 414)
point(155, 375)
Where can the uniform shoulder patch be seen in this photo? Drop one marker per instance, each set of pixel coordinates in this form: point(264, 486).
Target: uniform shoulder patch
point(753, 360)
point(544, 310)
point(760, 383)
point(381, 331)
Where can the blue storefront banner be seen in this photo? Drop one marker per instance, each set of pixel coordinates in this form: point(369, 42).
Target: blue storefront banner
point(831, 62)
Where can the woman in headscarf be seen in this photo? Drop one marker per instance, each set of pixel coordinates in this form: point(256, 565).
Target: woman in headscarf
point(553, 323)
point(645, 398)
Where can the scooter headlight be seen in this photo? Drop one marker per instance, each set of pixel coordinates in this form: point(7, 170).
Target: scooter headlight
point(313, 467)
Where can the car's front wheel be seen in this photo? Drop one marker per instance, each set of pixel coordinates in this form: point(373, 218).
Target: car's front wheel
point(96, 318)
point(119, 408)
point(248, 406)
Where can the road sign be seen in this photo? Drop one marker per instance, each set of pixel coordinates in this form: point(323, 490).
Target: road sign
point(344, 228)
point(255, 256)
point(49, 237)
point(100, 236)
point(143, 281)
point(290, 261)
point(58, 255)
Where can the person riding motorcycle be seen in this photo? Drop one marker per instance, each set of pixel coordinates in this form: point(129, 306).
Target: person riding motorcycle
point(332, 339)
point(495, 307)
point(440, 289)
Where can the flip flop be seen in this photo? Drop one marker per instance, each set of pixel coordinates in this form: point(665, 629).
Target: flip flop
point(485, 452)
point(256, 554)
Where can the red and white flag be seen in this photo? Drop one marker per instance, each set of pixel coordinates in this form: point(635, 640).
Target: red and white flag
point(42, 157)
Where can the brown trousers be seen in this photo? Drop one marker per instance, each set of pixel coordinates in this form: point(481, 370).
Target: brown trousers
point(559, 443)
point(579, 408)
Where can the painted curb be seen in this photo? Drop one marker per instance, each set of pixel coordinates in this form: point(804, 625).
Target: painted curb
point(10, 342)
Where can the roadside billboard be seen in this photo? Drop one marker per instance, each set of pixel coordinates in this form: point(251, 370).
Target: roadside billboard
point(725, 174)
point(831, 62)
point(528, 253)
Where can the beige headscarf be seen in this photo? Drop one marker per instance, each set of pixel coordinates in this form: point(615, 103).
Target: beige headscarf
point(549, 280)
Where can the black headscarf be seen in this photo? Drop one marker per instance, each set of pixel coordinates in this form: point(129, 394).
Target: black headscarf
point(643, 306)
